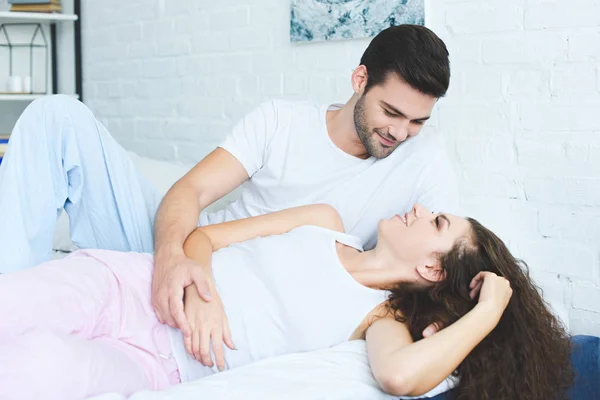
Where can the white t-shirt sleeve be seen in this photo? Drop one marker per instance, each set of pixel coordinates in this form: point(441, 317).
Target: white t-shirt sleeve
point(249, 140)
point(439, 192)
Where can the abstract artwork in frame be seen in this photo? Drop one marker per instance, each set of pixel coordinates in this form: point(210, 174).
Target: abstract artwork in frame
point(317, 20)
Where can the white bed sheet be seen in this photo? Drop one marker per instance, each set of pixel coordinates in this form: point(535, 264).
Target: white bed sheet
point(339, 373)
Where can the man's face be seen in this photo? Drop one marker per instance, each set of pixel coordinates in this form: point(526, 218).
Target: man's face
point(390, 113)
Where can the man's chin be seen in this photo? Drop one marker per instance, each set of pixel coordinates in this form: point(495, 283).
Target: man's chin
point(379, 151)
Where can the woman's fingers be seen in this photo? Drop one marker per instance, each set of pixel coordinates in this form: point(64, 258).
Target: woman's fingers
point(431, 330)
point(217, 346)
point(205, 357)
point(188, 343)
point(227, 334)
point(195, 344)
point(475, 290)
point(478, 279)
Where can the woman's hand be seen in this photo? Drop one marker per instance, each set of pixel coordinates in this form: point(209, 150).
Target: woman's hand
point(208, 323)
point(494, 291)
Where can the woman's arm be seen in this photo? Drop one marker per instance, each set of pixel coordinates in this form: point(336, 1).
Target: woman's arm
point(205, 239)
point(406, 368)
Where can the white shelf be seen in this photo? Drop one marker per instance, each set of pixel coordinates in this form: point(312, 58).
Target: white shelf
point(9, 16)
point(27, 97)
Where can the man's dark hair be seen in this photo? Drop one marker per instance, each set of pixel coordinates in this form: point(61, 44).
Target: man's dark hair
point(411, 52)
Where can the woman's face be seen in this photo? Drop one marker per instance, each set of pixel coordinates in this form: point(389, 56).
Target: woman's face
point(419, 237)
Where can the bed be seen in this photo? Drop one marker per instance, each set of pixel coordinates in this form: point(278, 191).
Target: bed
point(341, 372)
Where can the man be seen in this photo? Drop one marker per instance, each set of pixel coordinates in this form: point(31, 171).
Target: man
point(363, 157)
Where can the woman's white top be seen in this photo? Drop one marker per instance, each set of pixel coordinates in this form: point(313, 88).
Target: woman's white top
point(284, 294)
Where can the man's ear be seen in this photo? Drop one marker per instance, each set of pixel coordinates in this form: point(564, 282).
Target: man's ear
point(432, 273)
point(359, 79)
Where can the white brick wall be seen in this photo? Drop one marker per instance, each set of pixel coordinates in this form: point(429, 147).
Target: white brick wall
point(170, 78)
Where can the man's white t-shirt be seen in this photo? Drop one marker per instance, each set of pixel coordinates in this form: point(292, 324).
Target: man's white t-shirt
point(291, 161)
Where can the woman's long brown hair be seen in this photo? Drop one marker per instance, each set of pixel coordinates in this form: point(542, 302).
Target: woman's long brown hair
point(527, 355)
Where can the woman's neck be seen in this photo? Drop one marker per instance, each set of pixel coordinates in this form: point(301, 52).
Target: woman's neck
point(373, 268)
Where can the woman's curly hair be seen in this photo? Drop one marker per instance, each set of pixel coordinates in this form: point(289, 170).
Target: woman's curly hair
point(526, 356)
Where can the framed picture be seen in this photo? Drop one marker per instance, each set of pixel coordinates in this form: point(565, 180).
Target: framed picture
point(317, 20)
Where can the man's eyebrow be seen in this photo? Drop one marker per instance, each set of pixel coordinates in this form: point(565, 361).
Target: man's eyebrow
point(400, 113)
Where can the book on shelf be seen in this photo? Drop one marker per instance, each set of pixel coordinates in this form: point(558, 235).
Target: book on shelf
point(33, 1)
point(53, 6)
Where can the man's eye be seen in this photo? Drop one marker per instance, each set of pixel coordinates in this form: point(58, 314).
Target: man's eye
point(437, 222)
point(389, 114)
point(419, 122)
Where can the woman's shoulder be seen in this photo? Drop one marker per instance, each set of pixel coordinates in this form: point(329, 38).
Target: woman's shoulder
point(329, 217)
point(382, 311)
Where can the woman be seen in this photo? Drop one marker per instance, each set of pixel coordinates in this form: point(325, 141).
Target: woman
point(293, 281)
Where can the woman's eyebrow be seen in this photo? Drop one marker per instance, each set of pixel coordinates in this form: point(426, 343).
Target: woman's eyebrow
point(446, 218)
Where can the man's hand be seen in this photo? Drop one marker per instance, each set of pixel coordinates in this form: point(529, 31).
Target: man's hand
point(209, 325)
point(170, 277)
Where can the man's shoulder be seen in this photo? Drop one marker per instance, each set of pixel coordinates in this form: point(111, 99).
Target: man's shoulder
point(424, 148)
point(431, 141)
point(293, 107)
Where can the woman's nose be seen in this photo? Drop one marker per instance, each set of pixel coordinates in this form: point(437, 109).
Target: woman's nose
point(419, 210)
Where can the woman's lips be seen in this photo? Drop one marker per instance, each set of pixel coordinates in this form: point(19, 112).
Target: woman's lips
point(403, 218)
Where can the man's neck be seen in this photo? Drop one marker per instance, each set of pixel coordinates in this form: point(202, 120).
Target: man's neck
point(342, 131)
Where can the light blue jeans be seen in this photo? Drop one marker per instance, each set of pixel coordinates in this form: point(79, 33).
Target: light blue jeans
point(60, 157)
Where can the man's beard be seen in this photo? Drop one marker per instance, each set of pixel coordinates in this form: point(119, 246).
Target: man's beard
point(369, 138)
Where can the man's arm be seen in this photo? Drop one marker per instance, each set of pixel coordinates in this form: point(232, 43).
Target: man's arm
point(239, 157)
point(216, 175)
point(212, 178)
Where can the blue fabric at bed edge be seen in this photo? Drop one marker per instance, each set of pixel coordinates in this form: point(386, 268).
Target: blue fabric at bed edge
point(586, 362)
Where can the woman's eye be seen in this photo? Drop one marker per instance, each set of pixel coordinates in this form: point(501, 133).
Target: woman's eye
point(437, 222)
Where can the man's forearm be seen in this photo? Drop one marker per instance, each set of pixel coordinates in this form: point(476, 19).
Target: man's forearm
point(177, 216)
